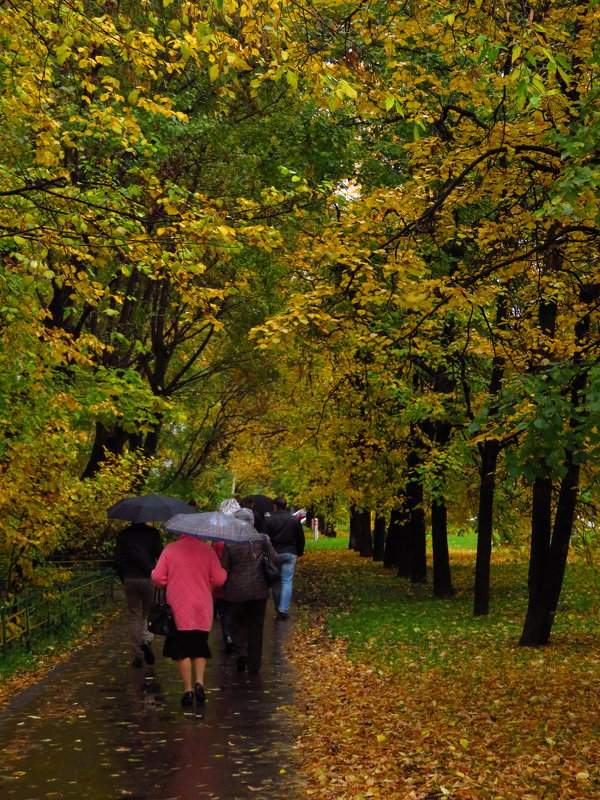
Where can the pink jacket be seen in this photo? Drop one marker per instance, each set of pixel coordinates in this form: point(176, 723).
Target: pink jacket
point(189, 568)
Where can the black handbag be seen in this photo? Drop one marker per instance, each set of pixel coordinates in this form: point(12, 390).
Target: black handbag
point(161, 620)
point(270, 569)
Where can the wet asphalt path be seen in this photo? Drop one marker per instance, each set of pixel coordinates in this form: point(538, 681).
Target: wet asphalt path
point(97, 729)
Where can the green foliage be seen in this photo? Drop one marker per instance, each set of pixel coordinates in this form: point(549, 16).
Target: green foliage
point(393, 622)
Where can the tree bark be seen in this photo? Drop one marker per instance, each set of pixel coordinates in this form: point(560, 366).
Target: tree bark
point(489, 451)
point(107, 440)
point(549, 561)
point(548, 569)
point(404, 550)
point(442, 578)
point(355, 523)
point(379, 538)
point(391, 555)
point(416, 522)
point(365, 543)
point(549, 555)
point(485, 517)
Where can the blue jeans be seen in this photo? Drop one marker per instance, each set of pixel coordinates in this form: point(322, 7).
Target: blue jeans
point(282, 591)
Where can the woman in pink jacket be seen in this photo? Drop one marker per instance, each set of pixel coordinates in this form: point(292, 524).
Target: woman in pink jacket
point(189, 568)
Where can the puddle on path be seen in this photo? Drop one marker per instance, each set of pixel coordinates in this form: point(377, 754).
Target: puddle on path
point(98, 729)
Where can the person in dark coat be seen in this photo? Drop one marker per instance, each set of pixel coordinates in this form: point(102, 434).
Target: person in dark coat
point(247, 592)
point(136, 552)
point(287, 537)
point(259, 518)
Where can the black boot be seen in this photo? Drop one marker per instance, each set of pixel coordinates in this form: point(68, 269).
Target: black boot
point(187, 699)
point(200, 693)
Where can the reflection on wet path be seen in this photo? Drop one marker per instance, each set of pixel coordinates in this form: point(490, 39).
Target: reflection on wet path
point(98, 729)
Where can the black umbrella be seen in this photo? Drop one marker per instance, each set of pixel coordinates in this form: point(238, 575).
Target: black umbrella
point(262, 503)
point(148, 508)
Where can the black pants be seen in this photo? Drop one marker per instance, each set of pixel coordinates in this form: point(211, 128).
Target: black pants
point(247, 621)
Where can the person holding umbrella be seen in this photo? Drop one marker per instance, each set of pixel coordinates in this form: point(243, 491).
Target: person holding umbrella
point(136, 552)
point(247, 592)
point(189, 568)
point(260, 505)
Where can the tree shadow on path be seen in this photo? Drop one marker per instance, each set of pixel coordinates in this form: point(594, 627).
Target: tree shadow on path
point(98, 729)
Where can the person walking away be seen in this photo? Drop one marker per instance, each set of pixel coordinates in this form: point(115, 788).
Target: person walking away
point(222, 609)
point(137, 549)
point(189, 568)
point(287, 537)
point(247, 592)
point(259, 519)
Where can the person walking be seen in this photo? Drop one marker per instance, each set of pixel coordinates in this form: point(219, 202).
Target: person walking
point(222, 609)
point(259, 519)
point(287, 537)
point(189, 568)
point(247, 592)
point(137, 549)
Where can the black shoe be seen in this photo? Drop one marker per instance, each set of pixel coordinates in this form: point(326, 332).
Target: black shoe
point(187, 699)
point(137, 662)
point(282, 615)
point(241, 663)
point(228, 646)
point(148, 654)
point(200, 693)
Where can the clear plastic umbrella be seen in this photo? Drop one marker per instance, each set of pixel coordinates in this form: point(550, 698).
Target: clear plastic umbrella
point(213, 525)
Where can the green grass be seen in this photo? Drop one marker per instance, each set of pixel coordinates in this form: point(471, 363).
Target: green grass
point(466, 541)
point(394, 621)
point(325, 542)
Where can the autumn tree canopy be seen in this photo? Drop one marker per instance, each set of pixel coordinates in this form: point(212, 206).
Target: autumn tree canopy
point(348, 249)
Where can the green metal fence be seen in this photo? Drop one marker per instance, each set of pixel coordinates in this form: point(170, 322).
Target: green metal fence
point(34, 616)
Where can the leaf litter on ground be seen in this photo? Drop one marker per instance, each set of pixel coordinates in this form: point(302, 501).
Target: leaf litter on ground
point(410, 698)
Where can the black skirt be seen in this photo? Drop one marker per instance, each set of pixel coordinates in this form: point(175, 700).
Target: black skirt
point(187, 644)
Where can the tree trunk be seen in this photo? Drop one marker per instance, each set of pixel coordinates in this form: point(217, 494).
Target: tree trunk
point(549, 558)
point(485, 517)
point(404, 551)
point(365, 543)
point(442, 579)
point(355, 523)
point(416, 522)
point(564, 520)
point(391, 555)
point(489, 451)
point(379, 538)
point(541, 531)
point(106, 440)
point(548, 563)
point(150, 442)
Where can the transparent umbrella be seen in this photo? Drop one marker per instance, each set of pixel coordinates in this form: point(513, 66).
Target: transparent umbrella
point(213, 525)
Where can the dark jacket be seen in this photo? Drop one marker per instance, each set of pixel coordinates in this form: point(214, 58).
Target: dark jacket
point(137, 551)
point(245, 576)
point(285, 532)
point(259, 520)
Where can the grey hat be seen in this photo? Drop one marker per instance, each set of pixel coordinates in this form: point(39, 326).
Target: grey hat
point(245, 514)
